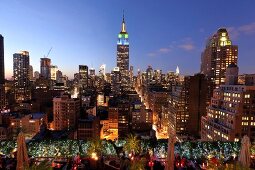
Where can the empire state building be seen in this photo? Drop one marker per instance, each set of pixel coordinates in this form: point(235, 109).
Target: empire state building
point(123, 56)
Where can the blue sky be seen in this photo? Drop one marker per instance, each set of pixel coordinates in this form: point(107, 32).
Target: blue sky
point(162, 33)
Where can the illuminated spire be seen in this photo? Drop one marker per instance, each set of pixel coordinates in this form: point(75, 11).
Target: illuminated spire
point(177, 71)
point(123, 26)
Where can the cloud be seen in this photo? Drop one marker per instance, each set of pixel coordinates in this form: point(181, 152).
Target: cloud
point(164, 50)
point(248, 28)
point(235, 32)
point(187, 47)
point(187, 44)
point(184, 44)
point(151, 54)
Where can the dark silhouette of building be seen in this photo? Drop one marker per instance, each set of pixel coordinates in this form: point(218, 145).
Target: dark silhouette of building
point(88, 128)
point(2, 76)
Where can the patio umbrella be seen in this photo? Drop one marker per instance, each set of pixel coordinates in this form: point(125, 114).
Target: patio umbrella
point(170, 151)
point(244, 155)
point(22, 157)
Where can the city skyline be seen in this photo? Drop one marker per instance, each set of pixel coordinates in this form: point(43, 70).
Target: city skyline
point(161, 41)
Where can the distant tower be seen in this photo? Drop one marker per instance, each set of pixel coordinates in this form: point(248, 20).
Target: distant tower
point(21, 76)
point(149, 75)
point(218, 54)
point(92, 72)
point(177, 72)
point(123, 55)
point(45, 67)
point(102, 71)
point(2, 77)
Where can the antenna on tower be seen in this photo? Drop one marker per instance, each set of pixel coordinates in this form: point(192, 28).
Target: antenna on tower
point(123, 15)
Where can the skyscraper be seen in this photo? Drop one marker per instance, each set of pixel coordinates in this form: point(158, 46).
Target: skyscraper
point(21, 76)
point(83, 77)
point(2, 79)
point(2, 60)
point(216, 57)
point(123, 55)
point(46, 67)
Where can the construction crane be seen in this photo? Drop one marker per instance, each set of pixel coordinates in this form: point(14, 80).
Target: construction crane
point(48, 53)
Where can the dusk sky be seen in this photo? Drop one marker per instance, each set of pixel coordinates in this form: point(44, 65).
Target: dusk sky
point(162, 33)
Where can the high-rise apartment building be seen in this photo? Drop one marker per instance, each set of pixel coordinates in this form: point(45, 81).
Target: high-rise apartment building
point(230, 115)
point(46, 67)
point(21, 76)
point(123, 56)
point(65, 112)
point(2, 76)
point(218, 54)
point(187, 104)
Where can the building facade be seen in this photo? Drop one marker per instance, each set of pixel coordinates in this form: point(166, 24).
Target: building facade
point(187, 104)
point(230, 115)
point(65, 112)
